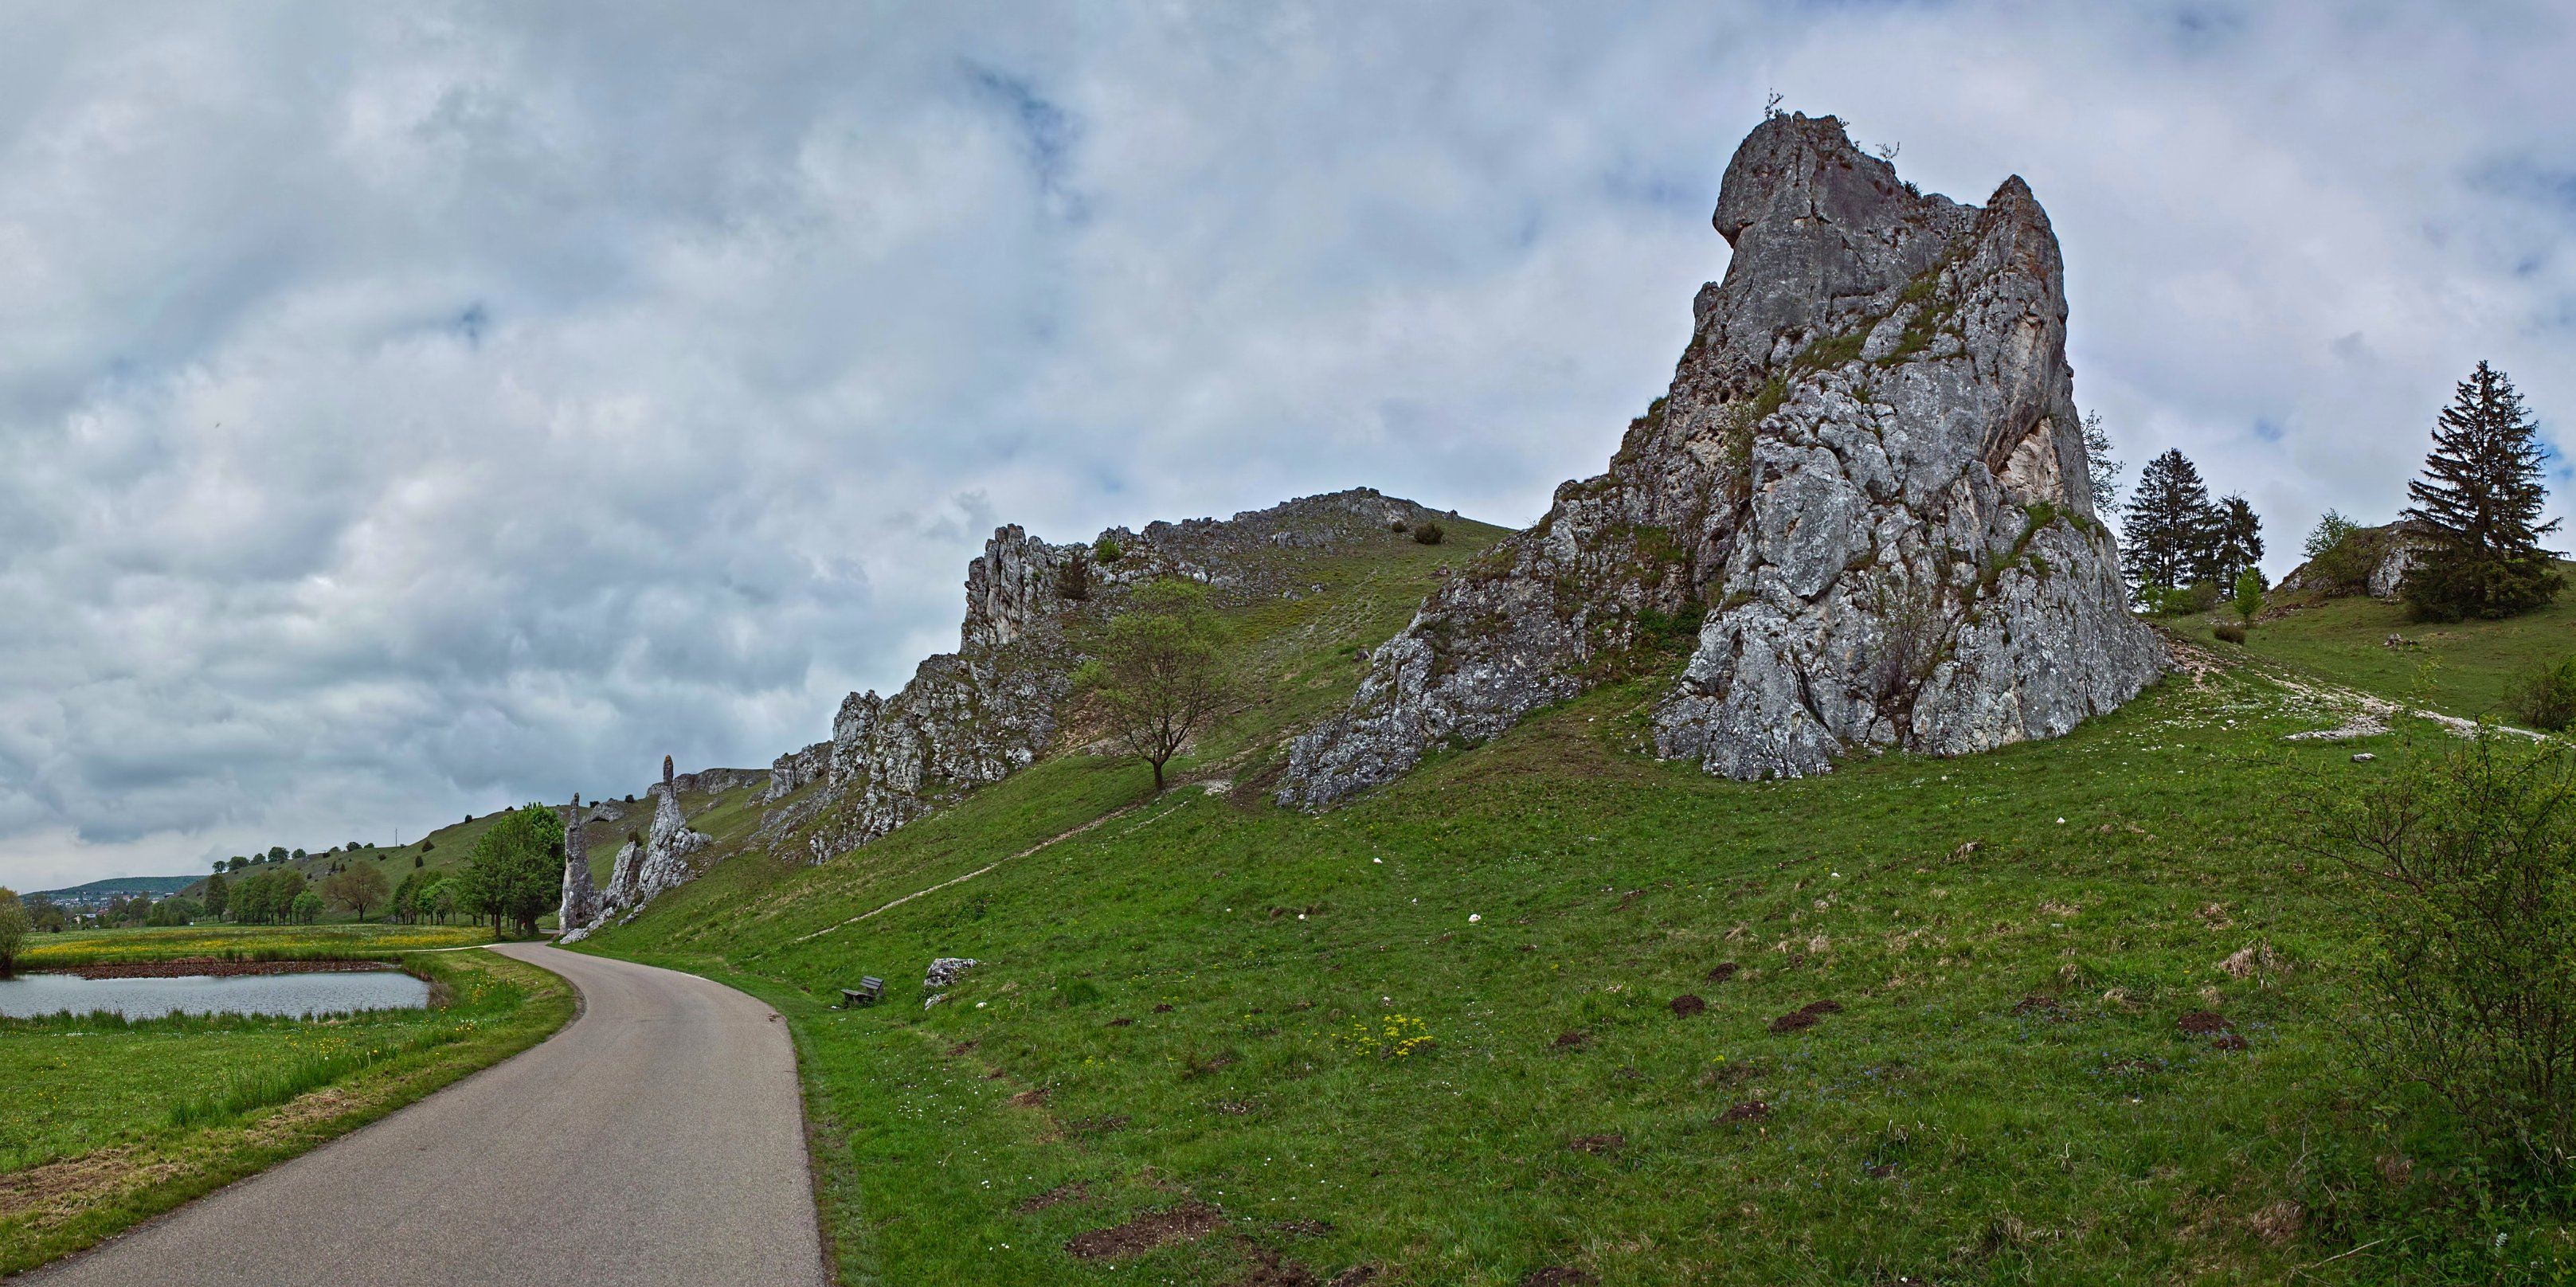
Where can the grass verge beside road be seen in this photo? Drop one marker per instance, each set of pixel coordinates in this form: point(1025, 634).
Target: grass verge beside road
point(111, 1122)
point(243, 943)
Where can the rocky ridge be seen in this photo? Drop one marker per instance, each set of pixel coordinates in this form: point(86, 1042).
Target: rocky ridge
point(1860, 506)
point(973, 716)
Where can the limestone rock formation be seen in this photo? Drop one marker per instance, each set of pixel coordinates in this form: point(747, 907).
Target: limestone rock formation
point(1861, 507)
point(642, 872)
point(580, 898)
point(2380, 556)
point(973, 716)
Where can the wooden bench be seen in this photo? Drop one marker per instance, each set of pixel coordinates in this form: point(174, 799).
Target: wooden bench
point(871, 989)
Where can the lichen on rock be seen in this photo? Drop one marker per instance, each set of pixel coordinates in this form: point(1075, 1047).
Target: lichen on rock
point(1865, 486)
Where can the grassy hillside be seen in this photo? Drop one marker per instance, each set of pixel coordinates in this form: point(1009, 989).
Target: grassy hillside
point(2469, 668)
point(1534, 1008)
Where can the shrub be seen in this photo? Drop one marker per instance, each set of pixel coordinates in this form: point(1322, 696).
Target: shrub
point(1105, 550)
point(2249, 596)
point(1398, 526)
point(1073, 579)
point(1429, 533)
point(14, 924)
point(2547, 699)
point(2229, 632)
point(2470, 855)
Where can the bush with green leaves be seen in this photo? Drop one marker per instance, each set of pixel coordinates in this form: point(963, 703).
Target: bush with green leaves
point(2547, 699)
point(2249, 595)
point(2229, 632)
point(1428, 533)
point(14, 925)
point(1157, 675)
point(1106, 551)
point(2341, 554)
point(2469, 860)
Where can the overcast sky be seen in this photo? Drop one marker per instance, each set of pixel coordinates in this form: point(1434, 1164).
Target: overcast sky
point(408, 410)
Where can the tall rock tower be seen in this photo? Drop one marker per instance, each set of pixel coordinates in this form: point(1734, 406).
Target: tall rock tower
point(580, 900)
point(1867, 487)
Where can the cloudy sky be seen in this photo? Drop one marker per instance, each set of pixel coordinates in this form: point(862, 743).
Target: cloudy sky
point(407, 410)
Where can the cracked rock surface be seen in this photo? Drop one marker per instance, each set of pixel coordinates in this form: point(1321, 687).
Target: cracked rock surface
point(1861, 510)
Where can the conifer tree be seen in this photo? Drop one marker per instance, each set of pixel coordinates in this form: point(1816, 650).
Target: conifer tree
point(2236, 544)
point(2167, 533)
point(2479, 503)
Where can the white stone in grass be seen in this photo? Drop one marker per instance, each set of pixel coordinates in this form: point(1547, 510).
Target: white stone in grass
point(1472, 918)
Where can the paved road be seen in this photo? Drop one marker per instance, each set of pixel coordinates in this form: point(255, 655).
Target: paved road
point(656, 1140)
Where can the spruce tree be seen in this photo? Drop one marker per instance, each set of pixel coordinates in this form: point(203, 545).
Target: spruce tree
point(2168, 527)
point(2478, 504)
point(2236, 544)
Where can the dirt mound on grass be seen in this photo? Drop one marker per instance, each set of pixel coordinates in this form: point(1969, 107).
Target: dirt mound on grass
point(1686, 1005)
point(1558, 1276)
point(1721, 972)
point(1751, 1110)
point(1070, 1191)
point(1148, 1231)
point(1805, 1016)
point(1572, 1040)
point(1610, 1143)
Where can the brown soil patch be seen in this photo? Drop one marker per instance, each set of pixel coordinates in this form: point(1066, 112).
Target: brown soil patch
point(2040, 1005)
point(1303, 1228)
point(1557, 1276)
point(1805, 1016)
point(1355, 1276)
point(960, 1048)
point(1610, 1143)
point(2279, 1222)
point(1144, 1233)
point(1722, 971)
point(1572, 1040)
point(1030, 1098)
point(1122, 1023)
point(191, 966)
point(1232, 1107)
point(1164, 1008)
point(1686, 1005)
point(1097, 1125)
point(1751, 1110)
point(1276, 1272)
point(1070, 1191)
point(2201, 1023)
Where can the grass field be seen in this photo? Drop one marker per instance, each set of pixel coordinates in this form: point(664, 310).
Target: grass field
point(1442, 1033)
point(344, 942)
point(109, 1122)
point(2465, 668)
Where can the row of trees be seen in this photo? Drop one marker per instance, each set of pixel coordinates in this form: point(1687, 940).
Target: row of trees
point(2181, 549)
point(2475, 513)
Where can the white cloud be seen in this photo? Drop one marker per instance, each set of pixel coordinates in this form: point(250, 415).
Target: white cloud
point(406, 413)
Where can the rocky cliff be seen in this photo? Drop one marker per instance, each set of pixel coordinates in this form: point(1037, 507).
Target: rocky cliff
point(973, 716)
point(1861, 504)
point(641, 872)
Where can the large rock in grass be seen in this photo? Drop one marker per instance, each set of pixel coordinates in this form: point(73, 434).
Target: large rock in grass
point(1858, 520)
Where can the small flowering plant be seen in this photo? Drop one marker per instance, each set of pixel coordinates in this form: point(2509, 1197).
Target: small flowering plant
point(1391, 1036)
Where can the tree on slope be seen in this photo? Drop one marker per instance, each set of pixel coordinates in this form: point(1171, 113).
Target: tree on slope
point(515, 871)
point(2236, 541)
point(2102, 468)
point(1157, 676)
point(2167, 533)
point(2479, 502)
point(356, 888)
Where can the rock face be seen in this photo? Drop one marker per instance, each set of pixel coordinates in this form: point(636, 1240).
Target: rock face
point(643, 872)
point(974, 716)
point(580, 899)
point(2382, 555)
point(1861, 508)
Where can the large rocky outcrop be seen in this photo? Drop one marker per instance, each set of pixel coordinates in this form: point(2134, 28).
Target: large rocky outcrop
point(1861, 507)
point(643, 872)
point(2370, 560)
point(973, 716)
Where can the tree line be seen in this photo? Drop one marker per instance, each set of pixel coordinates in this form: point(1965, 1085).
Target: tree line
point(2474, 517)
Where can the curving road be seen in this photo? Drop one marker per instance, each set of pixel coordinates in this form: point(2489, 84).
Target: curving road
point(658, 1139)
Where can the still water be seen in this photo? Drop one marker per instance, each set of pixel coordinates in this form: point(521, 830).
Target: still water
point(287, 994)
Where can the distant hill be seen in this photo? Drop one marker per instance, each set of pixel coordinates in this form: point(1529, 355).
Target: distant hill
point(120, 887)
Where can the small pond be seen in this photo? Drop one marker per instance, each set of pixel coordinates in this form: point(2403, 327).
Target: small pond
point(273, 994)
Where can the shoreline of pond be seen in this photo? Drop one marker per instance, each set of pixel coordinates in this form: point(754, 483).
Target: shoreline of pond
point(208, 966)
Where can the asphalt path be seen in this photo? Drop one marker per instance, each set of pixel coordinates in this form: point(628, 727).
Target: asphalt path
point(657, 1139)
